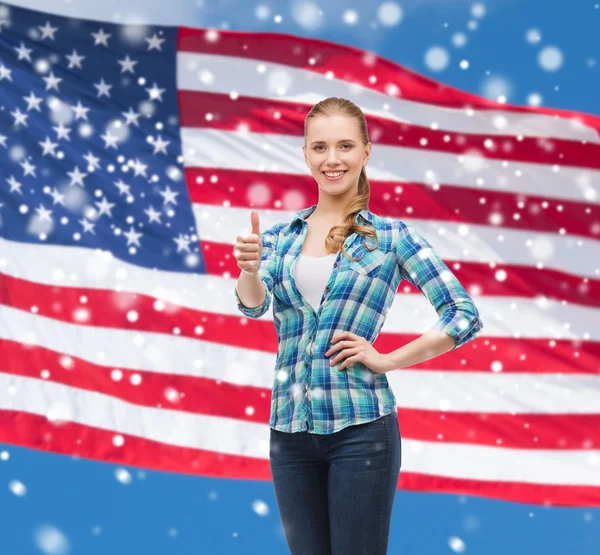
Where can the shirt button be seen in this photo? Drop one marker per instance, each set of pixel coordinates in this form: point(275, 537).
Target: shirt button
point(474, 319)
point(327, 288)
point(306, 364)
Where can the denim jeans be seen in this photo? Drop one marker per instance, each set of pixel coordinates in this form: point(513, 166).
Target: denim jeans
point(335, 492)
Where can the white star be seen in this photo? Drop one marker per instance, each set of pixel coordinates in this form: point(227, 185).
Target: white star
point(93, 162)
point(52, 81)
point(127, 64)
point(110, 140)
point(75, 59)
point(103, 88)
point(131, 117)
point(24, 53)
point(182, 243)
point(28, 168)
point(47, 31)
point(44, 213)
point(20, 118)
point(80, 111)
point(3, 140)
point(101, 37)
point(33, 102)
point(124, 189)
point(153, 215)
point(48, 146)
point(62, 131)
point(132, 237)
point(14, 185)
point(87, 226)
point(138, 167)
point(76, 177)
point(105, 207)
point(168, 195)
point(159, 144)
point(154, 42)
point(155, 92)
point(5, 73)
point(57, 198)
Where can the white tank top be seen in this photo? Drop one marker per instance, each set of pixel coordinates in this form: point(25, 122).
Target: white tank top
point(311, 274)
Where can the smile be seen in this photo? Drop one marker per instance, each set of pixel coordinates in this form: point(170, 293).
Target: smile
point(333, 176)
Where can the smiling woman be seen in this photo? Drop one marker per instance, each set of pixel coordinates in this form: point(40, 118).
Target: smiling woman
point(337, 150)
point(335, 445)
point(360, 428)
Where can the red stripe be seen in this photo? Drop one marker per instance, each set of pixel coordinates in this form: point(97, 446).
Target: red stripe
point(521, 431)
point(259, 115)
point(109, 309)
point(539, 494)
point(205, 396)
point(29, 430)
point(401, 199)
point(348, 63)
point(522, 281)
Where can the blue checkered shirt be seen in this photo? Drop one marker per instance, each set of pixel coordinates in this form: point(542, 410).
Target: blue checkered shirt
point(310, 395)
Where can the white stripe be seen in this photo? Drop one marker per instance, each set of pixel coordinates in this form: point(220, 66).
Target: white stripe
point(248, 439)
point(428, 390)
point(450, 240)
point(222, 74)
point(283, 153)
point(503, 316)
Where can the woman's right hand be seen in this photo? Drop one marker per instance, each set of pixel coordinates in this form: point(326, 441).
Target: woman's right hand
point(248, 249)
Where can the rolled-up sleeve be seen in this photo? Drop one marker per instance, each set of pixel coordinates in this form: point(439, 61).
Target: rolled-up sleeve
point(420, 265)
point(266, 271)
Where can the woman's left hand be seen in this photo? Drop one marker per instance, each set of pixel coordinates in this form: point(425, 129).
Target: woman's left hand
point(361, 351)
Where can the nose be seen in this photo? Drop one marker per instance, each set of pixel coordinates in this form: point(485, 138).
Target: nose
point(332, 159)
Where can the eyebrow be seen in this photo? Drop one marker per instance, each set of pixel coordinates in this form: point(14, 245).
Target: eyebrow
point(342, 141)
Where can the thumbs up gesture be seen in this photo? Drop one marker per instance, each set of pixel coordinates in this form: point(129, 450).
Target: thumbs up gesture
point(248, 248)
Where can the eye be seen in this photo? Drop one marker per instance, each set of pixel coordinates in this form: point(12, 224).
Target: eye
point(318, 147)
point(348, 145)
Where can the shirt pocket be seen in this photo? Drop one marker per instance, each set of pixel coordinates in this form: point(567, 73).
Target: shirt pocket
point(370, 262)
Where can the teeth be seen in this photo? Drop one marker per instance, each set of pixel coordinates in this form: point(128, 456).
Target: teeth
point(333, 174)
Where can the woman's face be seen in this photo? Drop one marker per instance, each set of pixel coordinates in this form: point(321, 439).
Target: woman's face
point(333, 144)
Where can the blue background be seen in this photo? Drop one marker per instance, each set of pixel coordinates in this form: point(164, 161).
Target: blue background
point(164, 513)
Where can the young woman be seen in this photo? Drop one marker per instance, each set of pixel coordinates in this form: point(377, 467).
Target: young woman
point(335, 445)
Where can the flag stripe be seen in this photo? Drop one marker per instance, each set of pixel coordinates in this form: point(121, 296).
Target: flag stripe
point(552, 356)
point(205, 395)
point(34, 431)
point(519, 393)
point(206, 109)
point(212, 294)
point(235, 150)
point(209, 186)
point(450, 240)
point(225, 65)
point(248, 439)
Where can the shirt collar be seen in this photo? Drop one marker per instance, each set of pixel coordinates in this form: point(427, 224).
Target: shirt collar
point(365, 214)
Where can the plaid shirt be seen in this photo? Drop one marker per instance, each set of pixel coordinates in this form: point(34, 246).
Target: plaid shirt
point(310, 395)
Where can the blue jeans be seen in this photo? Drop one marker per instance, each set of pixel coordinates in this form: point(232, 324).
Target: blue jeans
point(335, 492)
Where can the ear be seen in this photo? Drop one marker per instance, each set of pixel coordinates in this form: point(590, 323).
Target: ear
point(367, 153)
point(305, 155)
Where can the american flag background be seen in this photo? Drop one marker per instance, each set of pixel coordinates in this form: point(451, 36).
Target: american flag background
point(131, 157)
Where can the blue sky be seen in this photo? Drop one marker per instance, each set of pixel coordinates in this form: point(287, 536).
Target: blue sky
point(534, 52)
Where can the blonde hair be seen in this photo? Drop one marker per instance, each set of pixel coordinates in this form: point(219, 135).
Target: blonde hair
point(338, 233)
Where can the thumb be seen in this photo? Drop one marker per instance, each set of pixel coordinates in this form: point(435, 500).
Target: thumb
point(255, 223)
